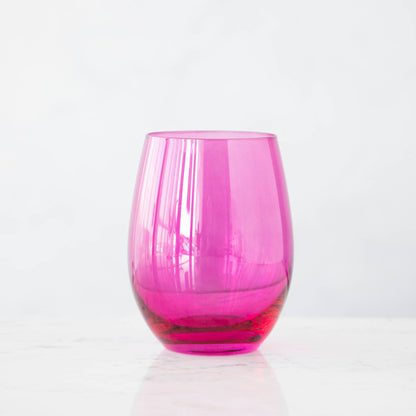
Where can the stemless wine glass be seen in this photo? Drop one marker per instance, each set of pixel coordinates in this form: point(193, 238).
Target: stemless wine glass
point(210, 246)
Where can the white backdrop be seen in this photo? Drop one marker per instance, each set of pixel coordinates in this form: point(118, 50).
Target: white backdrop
point(83, 81)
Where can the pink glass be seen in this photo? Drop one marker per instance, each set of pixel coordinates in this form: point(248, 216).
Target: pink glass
point(210, 247)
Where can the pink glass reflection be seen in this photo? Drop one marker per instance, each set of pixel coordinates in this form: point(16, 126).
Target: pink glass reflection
point(210, 247)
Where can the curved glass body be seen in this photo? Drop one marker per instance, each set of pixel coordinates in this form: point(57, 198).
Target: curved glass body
point(210, 246)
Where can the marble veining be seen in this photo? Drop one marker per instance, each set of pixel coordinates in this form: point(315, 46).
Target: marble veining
point(113, 366)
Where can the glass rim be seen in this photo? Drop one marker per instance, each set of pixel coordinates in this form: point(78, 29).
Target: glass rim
point(211, 135)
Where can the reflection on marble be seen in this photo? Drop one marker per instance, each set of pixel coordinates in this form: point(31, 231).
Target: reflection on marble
point(178, 384)
point(110, 366)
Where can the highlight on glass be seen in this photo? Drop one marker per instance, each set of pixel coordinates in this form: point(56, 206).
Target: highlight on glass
point(210, 244)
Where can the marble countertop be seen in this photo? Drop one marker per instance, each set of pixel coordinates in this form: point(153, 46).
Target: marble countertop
point(115, 366)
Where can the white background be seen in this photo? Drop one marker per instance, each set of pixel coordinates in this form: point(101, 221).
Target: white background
point(81, 82)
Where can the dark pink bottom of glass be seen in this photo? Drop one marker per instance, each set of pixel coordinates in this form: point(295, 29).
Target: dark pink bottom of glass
point(213, 334)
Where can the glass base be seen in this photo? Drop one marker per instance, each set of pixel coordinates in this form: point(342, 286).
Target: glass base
point(212, 349)
point(213, 334)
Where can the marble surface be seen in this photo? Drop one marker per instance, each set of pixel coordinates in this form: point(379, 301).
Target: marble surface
point(111, 366)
